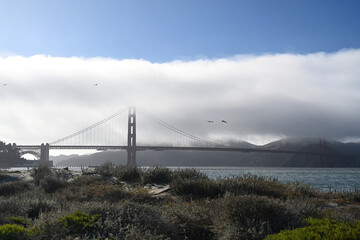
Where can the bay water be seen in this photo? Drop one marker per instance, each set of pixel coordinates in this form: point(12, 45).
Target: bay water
point(324, 179)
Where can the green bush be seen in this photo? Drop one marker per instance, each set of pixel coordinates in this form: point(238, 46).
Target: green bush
point(40, 173)
point(37, 206)
point(84, 180)
point(252, 184)
point(297, 189)
point(78, 222)
point(3, 174)
point(18, 220)
point(321, 229)
point(194, 189)
point(188, 173)
point(350, 196)
point(135, 233)
point(253, 215)
point(106, 170)
point(128, 174)
point(48, 226)
point(11, 207)
point(14, 232)
point(10, 188)
point(194, 184)
point(101, 192)
point(121, 173)
point(193, 220)
point(51, 184)
point(157, 175)
point(116, 220)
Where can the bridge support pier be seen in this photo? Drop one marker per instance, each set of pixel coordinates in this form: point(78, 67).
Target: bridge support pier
point(131, 146)
point(44, 155)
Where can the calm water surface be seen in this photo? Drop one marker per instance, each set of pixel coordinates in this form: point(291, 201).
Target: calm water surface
point(325, 179)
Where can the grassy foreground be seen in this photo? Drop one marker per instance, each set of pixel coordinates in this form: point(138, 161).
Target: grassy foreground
point(118, 202)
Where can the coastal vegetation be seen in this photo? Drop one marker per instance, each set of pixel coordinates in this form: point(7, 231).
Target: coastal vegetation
point(10, 156)
point(119, 202)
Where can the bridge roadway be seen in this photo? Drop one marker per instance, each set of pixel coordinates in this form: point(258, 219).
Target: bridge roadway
point(165, 148)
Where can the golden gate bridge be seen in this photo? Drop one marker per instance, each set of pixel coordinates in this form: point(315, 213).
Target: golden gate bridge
point(109, 134)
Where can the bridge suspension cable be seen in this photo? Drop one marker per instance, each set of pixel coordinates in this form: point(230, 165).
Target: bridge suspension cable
point(88, 128)
point(181, 132)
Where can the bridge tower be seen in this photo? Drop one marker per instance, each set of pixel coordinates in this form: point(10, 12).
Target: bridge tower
point(44, 154)
point(131, 146)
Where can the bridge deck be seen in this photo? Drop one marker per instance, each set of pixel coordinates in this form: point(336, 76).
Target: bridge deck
point(167, 148)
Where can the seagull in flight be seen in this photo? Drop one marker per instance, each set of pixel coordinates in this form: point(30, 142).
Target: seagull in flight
point(95, 84)
point(4, 84)
point(209, 121)
point(223, 121)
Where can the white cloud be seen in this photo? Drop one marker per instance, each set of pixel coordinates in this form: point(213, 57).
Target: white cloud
point(261, 97)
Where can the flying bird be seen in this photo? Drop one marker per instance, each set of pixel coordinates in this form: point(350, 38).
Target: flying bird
point(210, 121)
point(4, 84)
point(95, 84)
point(223, 121)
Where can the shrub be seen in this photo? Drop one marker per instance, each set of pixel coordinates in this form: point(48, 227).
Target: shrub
point(189, 173)
point(11, 207)
point(128, 174)
point(116, 220)
point(135, 233)
point(252, 184)
point(40, 173)
point(106, 170)
point(92, 192)
point(157, 175)
point(37, 206)
point(191, 188)
point(122, 173)
point(49, 227)
point(350, 196)
point(83, 180)
point(18, 220)
point(303, 207)
point(145, 217)
point(254, 215)
point(193, 184)
point(297, 189)
point(78, 222)
point(13, 232)
point(10, 188)
point(192, 220)
point(3, 174)
point(51, 184)
point(321, 229)
point(34, 202)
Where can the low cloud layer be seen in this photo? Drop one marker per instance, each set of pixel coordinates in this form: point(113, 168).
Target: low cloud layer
point(263, 98)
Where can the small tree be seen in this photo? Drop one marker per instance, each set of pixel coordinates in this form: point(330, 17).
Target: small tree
point(9, 153)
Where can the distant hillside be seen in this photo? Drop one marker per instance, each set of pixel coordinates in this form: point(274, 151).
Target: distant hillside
point(338, 155)
point(57, 159)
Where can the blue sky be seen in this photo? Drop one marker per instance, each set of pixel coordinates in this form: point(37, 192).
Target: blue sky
point(167, 30)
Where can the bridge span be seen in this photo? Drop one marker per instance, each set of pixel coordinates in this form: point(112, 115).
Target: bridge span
point(131, 147)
